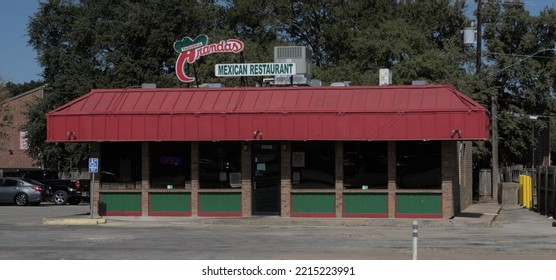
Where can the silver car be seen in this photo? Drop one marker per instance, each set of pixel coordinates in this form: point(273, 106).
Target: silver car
point(22, 191)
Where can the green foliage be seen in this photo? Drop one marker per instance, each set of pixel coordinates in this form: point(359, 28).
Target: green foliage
point(84, 45)
point(89, 44)
point(415, 39)
point(16, 89)
point(520, 72)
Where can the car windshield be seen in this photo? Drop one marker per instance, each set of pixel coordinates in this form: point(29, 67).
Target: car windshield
point(31, 181)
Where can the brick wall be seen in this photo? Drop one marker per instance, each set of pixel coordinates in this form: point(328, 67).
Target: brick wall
point(285, 181)
point(449, 176)
point(95, 152)
point(392, 179)
point(246, 189)
point(11, 153)
point(466, 165)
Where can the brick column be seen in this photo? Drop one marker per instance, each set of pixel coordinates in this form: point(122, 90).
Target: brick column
point(145, 174)
point(449, 170)
point(194, 179)
point(246, 186)
point(285, 179)
point(466, 166)
point(95, 152)
point(392, 179)
point(339, 178)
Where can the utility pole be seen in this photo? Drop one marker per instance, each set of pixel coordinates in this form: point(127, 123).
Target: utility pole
point(495, 170)
point(479, 39)
point(495, 174)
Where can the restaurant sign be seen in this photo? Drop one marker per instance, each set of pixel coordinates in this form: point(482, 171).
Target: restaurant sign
point(190, 50)
point(254, 69)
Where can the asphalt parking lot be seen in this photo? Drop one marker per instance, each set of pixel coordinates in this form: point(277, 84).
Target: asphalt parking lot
point(513, 234)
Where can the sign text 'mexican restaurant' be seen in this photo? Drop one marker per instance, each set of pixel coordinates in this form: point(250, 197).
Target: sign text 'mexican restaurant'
point(254, 69)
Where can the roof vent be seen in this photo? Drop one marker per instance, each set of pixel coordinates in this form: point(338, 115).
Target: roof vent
point(340, 84)
point(211, 85)
point(145, 85)
point(418, 83)
point(384, 77)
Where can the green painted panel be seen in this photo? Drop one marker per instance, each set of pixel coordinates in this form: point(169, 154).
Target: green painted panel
point(355, 203)
point(419, 203)
point(313, 203)
point(170, 202)
point(220, 202)
point(120, 202)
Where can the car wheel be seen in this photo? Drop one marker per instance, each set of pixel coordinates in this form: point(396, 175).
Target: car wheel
point(60, 197)
point(21, 199)
point(74, 201)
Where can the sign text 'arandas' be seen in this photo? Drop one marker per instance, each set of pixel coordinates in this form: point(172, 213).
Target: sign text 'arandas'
point(190, 50)
point(254, 69)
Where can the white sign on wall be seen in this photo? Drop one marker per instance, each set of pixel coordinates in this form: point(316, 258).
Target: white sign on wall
point(23, 140)
point(254, 69)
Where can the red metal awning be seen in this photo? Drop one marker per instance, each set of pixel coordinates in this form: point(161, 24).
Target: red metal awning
point(429, 112)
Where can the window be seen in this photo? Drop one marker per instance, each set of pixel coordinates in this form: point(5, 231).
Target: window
point(170, 165)
point(419, 165)
point(218, 163)
point(120, 165)
point(10, 183)
point(313, 165)
point(365, 165)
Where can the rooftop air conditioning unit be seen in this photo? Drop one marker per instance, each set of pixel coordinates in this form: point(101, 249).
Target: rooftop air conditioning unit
point(299, 55)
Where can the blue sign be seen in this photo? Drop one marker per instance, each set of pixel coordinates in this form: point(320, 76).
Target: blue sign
point(93, 165)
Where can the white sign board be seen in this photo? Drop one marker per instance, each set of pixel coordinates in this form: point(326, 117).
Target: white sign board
point(254, 69)
point(23, 140)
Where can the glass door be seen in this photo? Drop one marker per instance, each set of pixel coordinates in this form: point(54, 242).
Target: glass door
point(266, 178)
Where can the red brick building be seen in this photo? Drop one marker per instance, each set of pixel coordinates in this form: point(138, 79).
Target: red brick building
point(13, 151)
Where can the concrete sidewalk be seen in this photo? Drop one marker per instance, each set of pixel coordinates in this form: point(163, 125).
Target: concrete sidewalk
point(476, 215)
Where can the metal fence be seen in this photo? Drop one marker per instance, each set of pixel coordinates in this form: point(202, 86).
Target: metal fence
point(544, 186)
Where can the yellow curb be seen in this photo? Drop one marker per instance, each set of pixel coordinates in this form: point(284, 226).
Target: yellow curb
point(72, 221)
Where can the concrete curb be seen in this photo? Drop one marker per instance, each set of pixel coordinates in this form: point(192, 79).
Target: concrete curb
point(477, 215)
point(481, 220)
point(72, 221)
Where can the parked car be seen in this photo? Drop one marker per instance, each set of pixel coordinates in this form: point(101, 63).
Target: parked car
point(64, 191)
point(22, 191)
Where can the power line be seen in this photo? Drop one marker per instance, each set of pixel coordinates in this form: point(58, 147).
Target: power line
point(518, 55)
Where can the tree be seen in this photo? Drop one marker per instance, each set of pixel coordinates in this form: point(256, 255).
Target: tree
point(352, 40)
point(83, 45)
point(89, 44)
point(520, 72)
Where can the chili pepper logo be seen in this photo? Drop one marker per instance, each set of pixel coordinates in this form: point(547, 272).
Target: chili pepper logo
point(190, 50)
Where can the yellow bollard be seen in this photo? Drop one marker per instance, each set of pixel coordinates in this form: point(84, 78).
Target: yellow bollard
point(528, 192)
point(520, 190)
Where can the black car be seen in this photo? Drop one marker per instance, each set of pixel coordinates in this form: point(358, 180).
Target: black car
point(22, 191)
point(71, 191)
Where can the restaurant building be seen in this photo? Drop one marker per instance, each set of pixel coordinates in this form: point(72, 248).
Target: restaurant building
point(358, 151)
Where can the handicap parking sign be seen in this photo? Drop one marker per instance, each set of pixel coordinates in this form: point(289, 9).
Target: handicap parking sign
point(93, 165)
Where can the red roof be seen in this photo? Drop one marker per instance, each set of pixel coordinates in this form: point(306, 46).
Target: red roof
point(430, 112)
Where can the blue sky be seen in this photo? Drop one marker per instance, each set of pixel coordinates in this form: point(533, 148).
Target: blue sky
point(18, 61)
